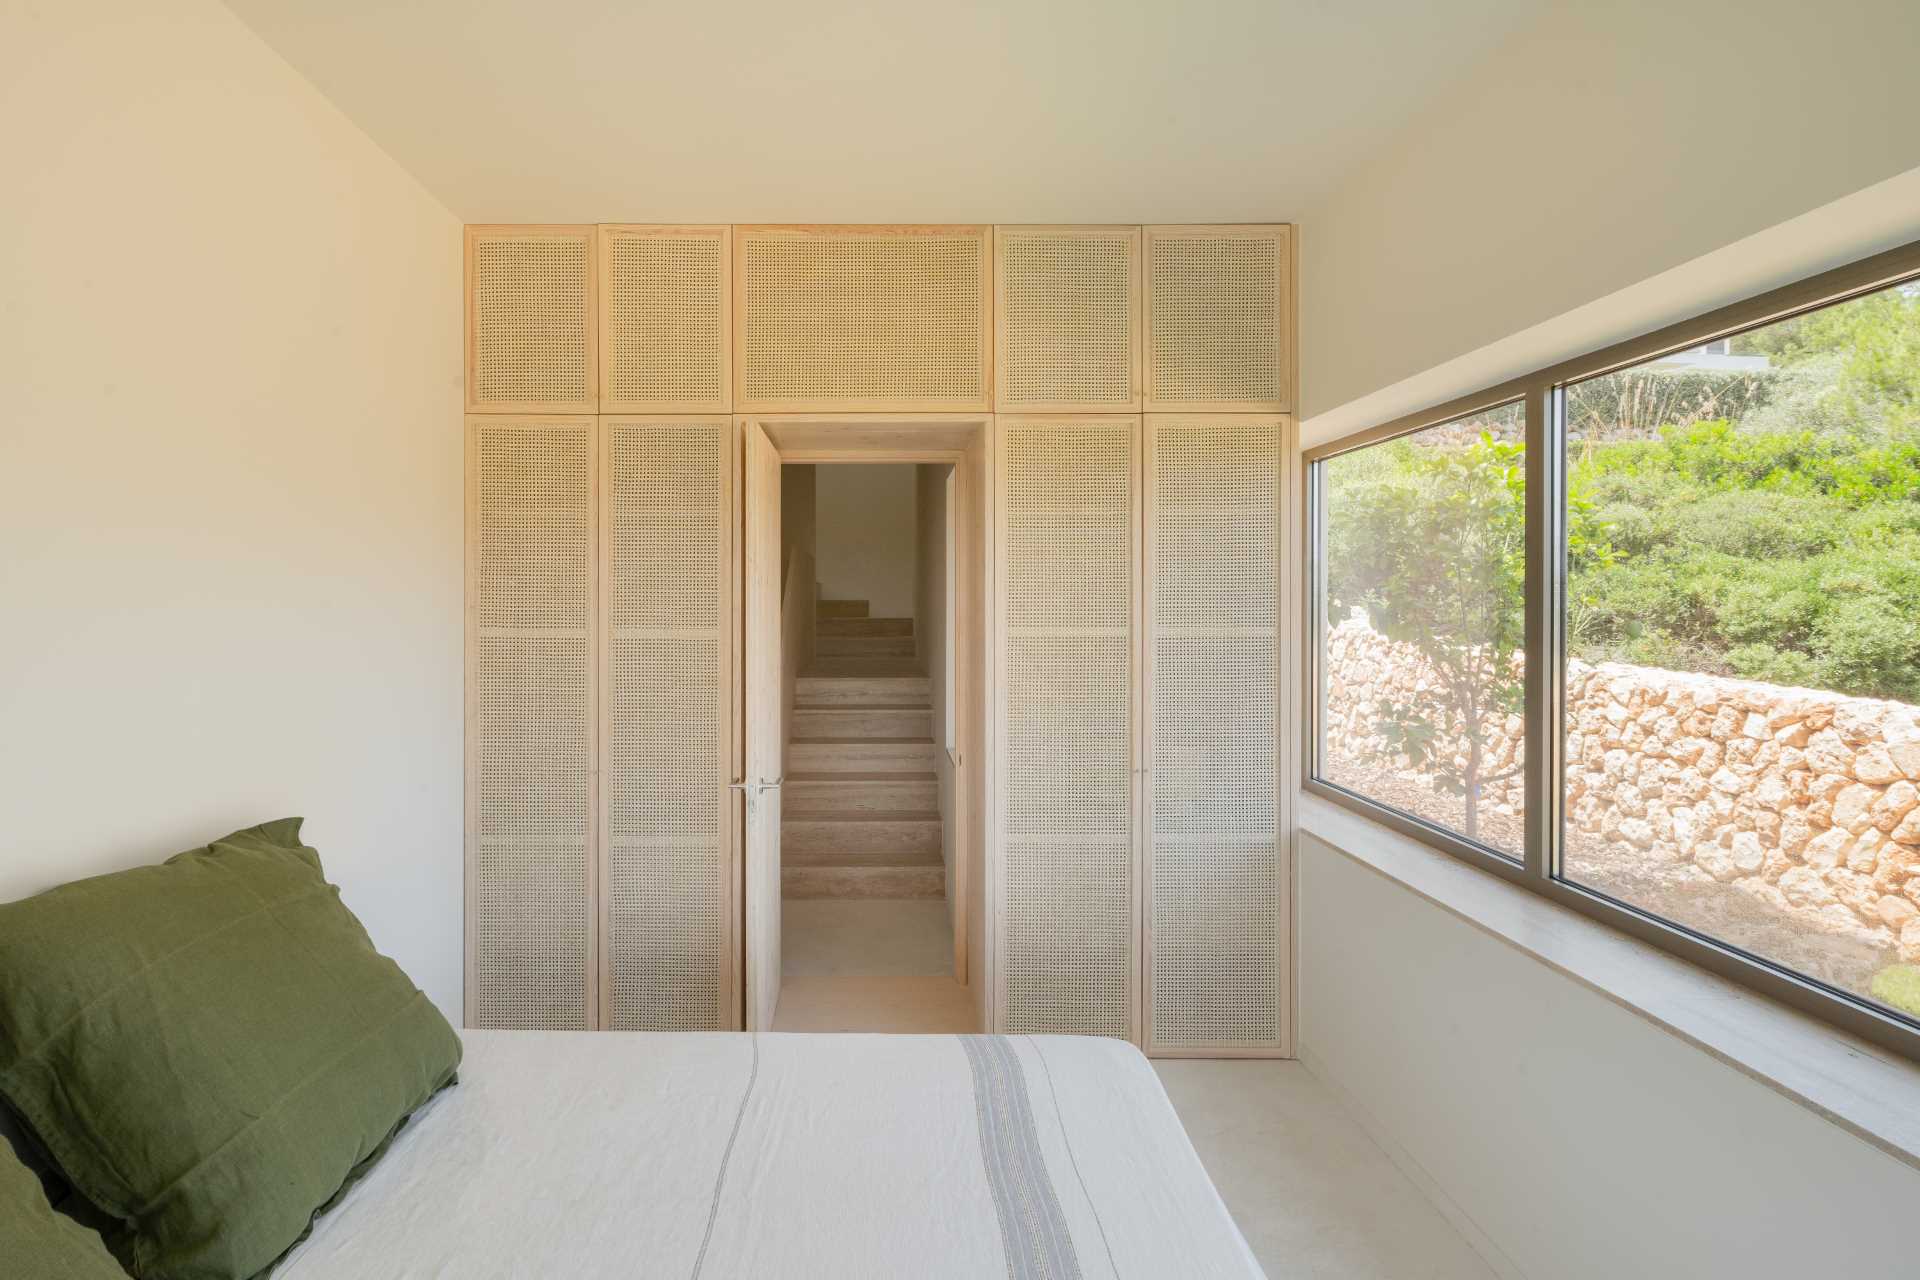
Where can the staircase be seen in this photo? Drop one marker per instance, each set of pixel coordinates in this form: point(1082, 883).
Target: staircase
point(860, 813)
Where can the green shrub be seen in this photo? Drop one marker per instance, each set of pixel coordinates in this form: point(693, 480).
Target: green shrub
point(1868, 643)
point(1770, 610)
point(1898, 987)
point(1774, 666)
point(1762, 526)
point(1759, 525)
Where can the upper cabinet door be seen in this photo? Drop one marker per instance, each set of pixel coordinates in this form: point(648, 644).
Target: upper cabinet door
point(1066, 321)
point(531, 319)
point(875, 319)
point(666, 331)
point(1219, 319)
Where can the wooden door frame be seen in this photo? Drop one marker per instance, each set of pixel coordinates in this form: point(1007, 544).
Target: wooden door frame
point(963, 440)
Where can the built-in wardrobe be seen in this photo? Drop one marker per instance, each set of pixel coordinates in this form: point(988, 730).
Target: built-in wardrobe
point(1135, 388)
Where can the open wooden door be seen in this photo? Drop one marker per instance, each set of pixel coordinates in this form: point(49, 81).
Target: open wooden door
point(766, 728)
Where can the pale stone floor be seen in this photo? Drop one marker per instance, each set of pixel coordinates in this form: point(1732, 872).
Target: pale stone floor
point(865, 937)
point(1313, 1194)
point(1311, 1191)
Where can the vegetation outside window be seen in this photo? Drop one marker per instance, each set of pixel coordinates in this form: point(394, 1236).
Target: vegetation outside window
point(1742, 638)
point(1423, 565)
point(1640, 632)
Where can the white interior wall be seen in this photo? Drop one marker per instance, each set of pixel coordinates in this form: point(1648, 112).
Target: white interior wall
point(1583, 1141)
point(1612, 169)
point(930, 611)
point(230, 494)
point(1602, 145)
point(864, 531)
point(796, 511)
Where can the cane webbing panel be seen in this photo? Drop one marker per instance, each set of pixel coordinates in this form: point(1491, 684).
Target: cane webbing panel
point(1213, 838)
point(1068, 313)
point(532, 319)
point(668, 483)
point(1066, 823)
point(666, 319)
point(668, 882)
point(1216, 319)
point(1068, 487)
point(862, 318)
point(1216, 946)
point(531, 739)
point(532, 544)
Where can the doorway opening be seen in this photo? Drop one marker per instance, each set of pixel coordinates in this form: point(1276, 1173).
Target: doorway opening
point(861, 861)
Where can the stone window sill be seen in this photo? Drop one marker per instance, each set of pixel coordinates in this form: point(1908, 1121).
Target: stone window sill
point(1867, 1091)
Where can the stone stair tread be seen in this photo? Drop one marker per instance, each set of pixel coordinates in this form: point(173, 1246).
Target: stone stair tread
point(864, 815)
point(863, 777)
point(863, 882)
point(862, 709)
point(893, 626)
point(860, 858)
point(862, 668)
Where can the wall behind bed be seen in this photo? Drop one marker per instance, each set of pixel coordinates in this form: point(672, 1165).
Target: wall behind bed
point(229, 471)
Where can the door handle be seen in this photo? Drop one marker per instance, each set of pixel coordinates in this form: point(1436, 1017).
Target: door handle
point(756, 786)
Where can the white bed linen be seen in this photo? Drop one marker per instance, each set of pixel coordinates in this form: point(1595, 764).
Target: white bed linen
point(575, 1155)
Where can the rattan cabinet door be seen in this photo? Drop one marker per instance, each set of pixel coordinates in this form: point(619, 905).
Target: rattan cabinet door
point(668, 870)
point(1215, 877)
point(531, 704)
point(1065, 883)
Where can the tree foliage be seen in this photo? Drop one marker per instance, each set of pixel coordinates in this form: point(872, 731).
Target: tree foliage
point(1777, 539)
point(1429, 540)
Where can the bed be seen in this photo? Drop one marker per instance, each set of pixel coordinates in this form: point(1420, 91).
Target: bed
point(722, 1155)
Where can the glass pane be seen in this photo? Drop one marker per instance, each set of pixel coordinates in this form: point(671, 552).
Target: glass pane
point(1424, 561)
point(1743, 642)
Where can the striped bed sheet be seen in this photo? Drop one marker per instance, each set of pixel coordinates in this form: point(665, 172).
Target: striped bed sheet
point(726, 1155)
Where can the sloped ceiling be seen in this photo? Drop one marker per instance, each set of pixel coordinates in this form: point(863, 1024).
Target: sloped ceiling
point(840, 111)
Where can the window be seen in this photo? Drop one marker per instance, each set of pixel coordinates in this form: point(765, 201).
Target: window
point(1743, 643)
point(1641, 633)
point(1424, 555)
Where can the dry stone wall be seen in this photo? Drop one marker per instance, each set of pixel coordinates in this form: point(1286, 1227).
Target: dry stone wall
point(1729, 804)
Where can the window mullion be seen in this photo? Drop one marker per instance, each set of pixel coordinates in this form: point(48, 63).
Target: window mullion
point(1545, 679)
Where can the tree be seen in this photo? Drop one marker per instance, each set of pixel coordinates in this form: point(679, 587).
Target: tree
point(1430, 541)
point(1866, 354)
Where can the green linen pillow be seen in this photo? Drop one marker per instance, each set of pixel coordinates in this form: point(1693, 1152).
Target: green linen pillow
point(40, 1242)
point(211, 1050)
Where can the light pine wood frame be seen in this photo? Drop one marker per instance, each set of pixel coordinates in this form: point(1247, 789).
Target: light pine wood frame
point(766, 724)
point(1283, 316)
point(609, 233)
point(962, 440)
point(1133, 238)
point(585, 234)
point(470, 707)
point(968, 436)
point(725, 767)
point(997, 712)
point(1286, 741)
point(746, 235)
point(901, 437)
